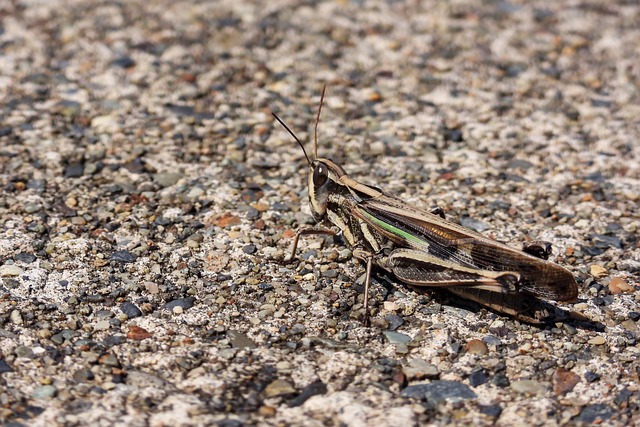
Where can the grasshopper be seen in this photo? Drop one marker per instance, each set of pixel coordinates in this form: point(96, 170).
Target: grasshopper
point(424, 250)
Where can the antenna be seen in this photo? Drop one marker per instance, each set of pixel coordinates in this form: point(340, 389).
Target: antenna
point(315, 128)
point(294, 136)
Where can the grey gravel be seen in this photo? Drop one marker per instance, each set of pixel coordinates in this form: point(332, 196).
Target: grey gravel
point(140, 164)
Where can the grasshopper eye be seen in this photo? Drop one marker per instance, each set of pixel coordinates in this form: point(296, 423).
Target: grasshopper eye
point(320, 175)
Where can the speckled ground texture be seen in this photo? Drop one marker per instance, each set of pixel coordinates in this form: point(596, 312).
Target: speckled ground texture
point(148, 194)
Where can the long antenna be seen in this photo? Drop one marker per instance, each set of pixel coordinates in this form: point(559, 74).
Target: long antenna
point(294, 137)
point(315, 128)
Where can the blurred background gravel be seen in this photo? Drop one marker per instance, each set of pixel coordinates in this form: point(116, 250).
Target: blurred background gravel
point(147, 195)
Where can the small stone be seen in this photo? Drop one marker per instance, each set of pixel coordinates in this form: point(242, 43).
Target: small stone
point(591, 377)
point(177, 310)
point(563, 381)
point(226, 220)
point(619, 286)
point(130, 310)
point(396, 337)
point(278, 388)
point(123, 256)
point(597, 340)
point(528, 387)
point(167, 179)
point(184, 303)
point(16, 317)
point(74, 170)
point(138, 333)
point(25, 257)
point(24, 351)
point(83, 376)
point(102, 325)
point(249, 249)
point(419, 369)
point(439, 392)
point(394, 320)
point(594, 414)
point(44, 392)
point(477, 378)
point(4, 367)
point(10, 270)
point(311, 390)
point(476, 347)
point(598, 272)
point(240, 340)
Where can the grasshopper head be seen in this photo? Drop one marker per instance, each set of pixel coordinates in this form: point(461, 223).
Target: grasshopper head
point(324, 179)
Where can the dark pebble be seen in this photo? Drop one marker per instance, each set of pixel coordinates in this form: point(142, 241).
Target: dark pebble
point(604, 241)
point(281, 207)
point(83, 376)
point(185, 303)
point(240, 340)
point(622, 399)
point(501, 380)
point(130, 309)
point(124, 62)
point(331, 273)
point(74, 170)
point(394, 320)
point(591, 413)
point(25, 257)
point(253, 213)
point(266, 286)
point(591, 377)
point(312, 389)
point(634, 315)
point(478, 378)
point(438, 392)
point(250, 249)
point(251, 195)
point(112, 340)
point(493, 411)
point(94, 298)
point(123, 256)
point(4, 367)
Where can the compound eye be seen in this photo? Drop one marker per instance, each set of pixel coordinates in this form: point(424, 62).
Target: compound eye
point(320, 175)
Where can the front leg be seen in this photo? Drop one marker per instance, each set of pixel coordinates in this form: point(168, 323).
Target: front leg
point(308, 231)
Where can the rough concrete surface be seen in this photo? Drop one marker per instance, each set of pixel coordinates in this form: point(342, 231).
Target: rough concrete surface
point(148, 198)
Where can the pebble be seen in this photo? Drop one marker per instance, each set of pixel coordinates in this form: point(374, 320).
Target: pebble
point(597, 340)
point(594, 414)
point(4, 367)
point(418, 369)
point(278, 388)
point(184, 303)
point(439, 392)
point(532, 387)
point(25, 257)
point(167, 179)
point(476, 347)
point(619, 286)
point(477, 378)
point(16, 317)
point(102, 325)
point(10, 270)
point(240, 340)
point(44, 392)
point(123, 256)
point(24, 351)
point(394, 321)
point(313, 389)
point(563, 381)
point(598, 271)
point(138, 333)
point(250, 249)
point(396, 337)
point(130, 310)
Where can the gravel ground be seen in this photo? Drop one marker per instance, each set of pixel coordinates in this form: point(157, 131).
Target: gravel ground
point(147, 196)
